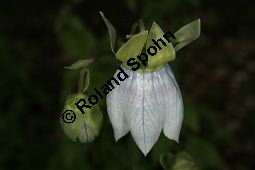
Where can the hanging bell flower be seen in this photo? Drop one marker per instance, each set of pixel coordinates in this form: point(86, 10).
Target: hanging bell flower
point(149, 100)
point(81, 126)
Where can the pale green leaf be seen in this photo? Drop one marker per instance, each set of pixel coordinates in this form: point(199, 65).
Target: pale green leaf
point(112, 32)
point(187, 34)
point(80, 64)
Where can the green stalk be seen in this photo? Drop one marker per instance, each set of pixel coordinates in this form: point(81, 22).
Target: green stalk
point(81, 80)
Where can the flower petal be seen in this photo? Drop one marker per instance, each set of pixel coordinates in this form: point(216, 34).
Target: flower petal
point(145, 103)
point(174, 117)
point(144, 109)
point(115, 101)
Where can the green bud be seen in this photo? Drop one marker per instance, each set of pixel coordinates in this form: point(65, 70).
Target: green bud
point(180, 161)
point(77, 126)
point(184, 161)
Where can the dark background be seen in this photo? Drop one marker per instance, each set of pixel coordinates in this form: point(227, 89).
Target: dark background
point(215, 74)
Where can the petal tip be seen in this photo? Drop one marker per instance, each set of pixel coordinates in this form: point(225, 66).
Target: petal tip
point(144, 150)
point(172, 136)
point(145, 153)
point(117, 138)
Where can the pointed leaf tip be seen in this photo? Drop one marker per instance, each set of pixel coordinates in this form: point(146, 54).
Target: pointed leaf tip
point(166, 52)
point(187, 34)
point(80, 64)
point(111, 30)
point(133, 47)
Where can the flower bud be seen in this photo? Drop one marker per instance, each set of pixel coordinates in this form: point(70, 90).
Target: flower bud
point(78, 126)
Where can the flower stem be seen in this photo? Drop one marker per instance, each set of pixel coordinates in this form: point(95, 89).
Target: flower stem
point(81, 80)
point(141, 25)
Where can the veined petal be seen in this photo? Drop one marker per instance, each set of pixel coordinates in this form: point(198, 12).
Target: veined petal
point(145, 103)
point(144, 110)
point(146, 120)
point(174, 116)
point(115, 101)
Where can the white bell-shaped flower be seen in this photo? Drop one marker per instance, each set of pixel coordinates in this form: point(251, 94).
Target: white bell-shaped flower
point(149, 99)
point(144, 104)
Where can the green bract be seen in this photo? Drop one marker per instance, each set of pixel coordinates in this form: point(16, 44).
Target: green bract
point(132, 48)
point(85, 127)
point(112, 31)
point(187, 34)
point(164, 55)
point(143, 40)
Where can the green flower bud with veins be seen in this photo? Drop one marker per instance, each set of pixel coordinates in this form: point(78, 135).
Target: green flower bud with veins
point(150, 99)
point(83, 127)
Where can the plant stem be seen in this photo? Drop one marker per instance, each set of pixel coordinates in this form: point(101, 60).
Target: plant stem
point(141, 25)
point(81, 80)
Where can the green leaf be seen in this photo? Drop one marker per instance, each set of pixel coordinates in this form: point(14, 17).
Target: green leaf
point(86, 80)
point(183, 162)
point(163, 55)
point(132, 48)
point(187, 34)
point(112, 32)
point(80, 64)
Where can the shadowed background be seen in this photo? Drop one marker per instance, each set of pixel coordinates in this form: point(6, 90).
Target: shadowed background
point(215, 74)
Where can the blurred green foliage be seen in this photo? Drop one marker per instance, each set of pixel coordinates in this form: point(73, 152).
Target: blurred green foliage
point(73, 35)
